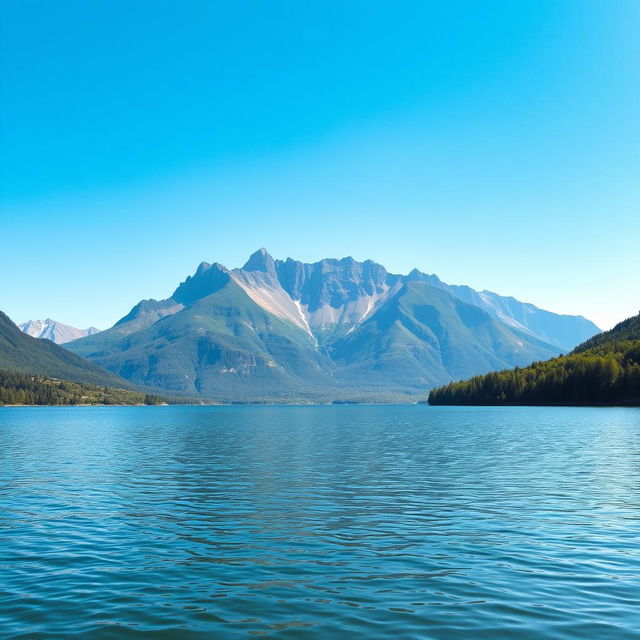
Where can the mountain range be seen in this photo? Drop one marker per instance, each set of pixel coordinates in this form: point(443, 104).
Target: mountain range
point(334, 329)
point(55, 331)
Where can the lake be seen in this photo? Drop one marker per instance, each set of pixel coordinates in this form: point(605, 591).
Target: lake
point(328, 522)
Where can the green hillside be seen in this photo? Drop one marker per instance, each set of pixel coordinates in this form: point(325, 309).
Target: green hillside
point(603, 370)
point(627, 330)
point(23, 354)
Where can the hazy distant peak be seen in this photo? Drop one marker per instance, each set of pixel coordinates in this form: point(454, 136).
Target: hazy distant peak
point(55, 331)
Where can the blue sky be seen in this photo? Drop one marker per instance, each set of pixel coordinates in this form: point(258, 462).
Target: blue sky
point(496, 144)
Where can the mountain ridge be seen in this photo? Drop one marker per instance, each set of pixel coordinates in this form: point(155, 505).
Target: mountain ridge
point(287, 327)
point(55, 331)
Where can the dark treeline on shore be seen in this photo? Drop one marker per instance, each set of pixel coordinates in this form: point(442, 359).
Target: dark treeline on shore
point(603, 370)
point(19, 389)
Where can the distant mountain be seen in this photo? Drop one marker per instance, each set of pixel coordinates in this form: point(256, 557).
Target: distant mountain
point(603, 370)
point(55, 331)
point(23, 354)
point(562, 331)
point(331, 329)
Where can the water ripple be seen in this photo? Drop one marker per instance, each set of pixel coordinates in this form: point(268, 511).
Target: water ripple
point(410, 522)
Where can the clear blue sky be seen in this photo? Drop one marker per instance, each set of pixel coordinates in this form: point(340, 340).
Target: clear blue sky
point(496, 144)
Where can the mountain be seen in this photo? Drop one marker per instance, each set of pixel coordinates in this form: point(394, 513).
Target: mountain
point(21, 353)
point(562, 331)
point(423, 335)
point(55, 331)
point(602, 370)
point(211, 338)
point(332, 329)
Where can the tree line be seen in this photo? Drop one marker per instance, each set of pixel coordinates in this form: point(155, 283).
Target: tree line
point(24, 389)
point(606, 373)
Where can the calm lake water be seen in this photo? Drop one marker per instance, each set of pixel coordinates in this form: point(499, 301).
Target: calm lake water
point(373, 522)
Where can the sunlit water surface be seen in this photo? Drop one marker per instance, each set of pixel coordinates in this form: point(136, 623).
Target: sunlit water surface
point(404, 522)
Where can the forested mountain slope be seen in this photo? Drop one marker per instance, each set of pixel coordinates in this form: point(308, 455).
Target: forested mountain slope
point(602, 370)
point(23, 354)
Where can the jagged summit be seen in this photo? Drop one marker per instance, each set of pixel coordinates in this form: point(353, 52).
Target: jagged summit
point(260, 260)
point(206, 280)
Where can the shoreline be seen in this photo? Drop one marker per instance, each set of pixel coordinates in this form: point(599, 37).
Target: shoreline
point(327, 404)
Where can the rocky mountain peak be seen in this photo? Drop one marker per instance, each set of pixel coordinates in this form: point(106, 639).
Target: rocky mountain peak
point(207, 279)
point(260, 261)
